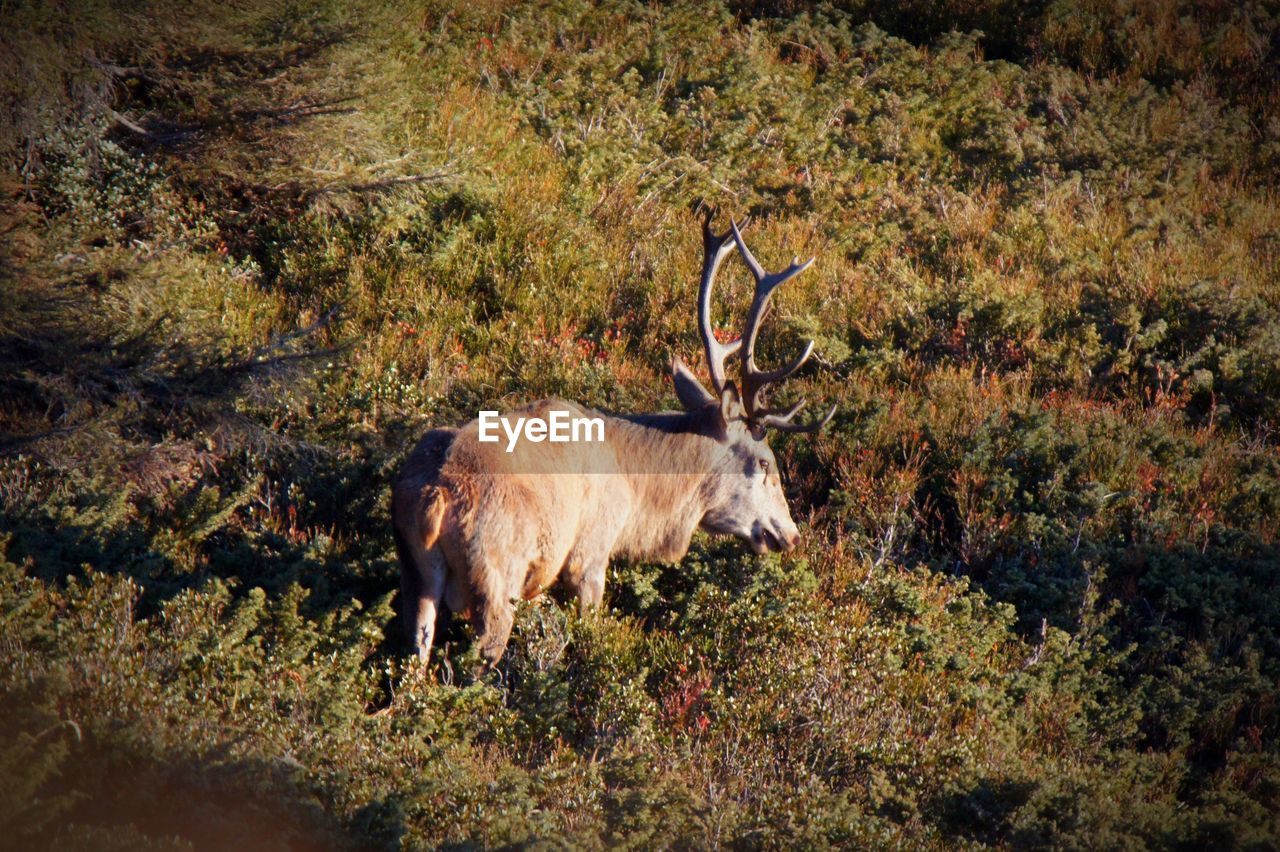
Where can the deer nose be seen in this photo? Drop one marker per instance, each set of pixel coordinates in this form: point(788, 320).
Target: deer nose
point(789, 539)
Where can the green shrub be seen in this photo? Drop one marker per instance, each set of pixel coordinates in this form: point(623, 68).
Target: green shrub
point(251, 253)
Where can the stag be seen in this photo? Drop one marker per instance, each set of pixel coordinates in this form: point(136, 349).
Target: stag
point(478, 527)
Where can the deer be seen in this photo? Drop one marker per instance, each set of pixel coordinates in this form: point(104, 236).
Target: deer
point(479, 526)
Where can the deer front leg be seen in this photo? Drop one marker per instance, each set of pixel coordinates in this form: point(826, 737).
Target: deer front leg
point(591, 592)
point(585, 579)
point(492, 617)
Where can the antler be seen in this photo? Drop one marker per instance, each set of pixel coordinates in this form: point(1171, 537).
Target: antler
point(754, 380)
point(716, 247)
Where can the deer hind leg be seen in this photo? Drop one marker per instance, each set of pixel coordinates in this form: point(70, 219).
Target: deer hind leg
point(422, 580)
point(417, 514)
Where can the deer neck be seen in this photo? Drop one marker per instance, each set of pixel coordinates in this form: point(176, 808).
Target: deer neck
point(666, 463)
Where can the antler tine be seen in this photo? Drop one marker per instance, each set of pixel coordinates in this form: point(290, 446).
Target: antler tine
point(768, 377)
point(754, 380)
point(716, 247)
point(782, 414)
point(783, 422)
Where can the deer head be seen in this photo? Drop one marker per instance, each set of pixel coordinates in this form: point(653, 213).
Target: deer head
point(745, 499)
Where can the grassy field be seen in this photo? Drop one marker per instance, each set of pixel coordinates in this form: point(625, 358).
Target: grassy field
point(251, 251)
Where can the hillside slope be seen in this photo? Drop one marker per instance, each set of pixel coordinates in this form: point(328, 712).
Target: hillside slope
point(252, 251)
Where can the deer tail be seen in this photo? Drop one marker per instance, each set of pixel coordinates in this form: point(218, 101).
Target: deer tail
point(435, 500)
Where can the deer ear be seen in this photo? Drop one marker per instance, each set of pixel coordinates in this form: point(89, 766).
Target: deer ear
point(731, 404)
point(689, 390)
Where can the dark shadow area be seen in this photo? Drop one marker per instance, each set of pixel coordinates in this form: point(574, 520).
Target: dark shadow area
point(155, 131)
point(154, 431)
point(1167, 43)
point(1008, 26)
point(87, 791)
point(981, 813)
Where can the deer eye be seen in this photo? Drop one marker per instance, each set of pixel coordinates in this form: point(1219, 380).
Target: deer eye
point(764, 465)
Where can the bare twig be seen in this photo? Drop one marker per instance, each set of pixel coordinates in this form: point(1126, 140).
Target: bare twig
point(130, 125)
point(1035, 655)
point(279, 341)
